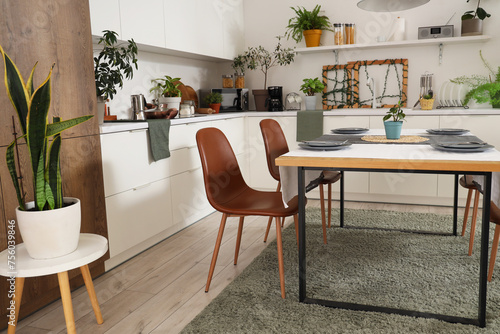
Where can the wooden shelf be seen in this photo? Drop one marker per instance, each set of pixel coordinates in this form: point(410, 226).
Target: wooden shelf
point(419, 42)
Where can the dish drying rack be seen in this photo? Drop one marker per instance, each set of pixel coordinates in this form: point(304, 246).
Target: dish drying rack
point(451, 104)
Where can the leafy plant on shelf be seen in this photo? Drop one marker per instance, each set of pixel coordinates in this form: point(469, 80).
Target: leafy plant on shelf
point(260, 58)
point(306, 20)
point(396, 113)
point(479, 13)
point(213, 97)
point(312, 86)
point(167, 86)
point(32, 108)
point(112, 63)
point(484, 89)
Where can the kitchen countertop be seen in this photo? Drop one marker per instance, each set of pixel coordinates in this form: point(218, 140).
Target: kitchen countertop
point(127, 125)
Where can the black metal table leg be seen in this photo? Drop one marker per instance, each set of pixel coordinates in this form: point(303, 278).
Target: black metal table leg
point(302, 234)
point(483, 268)
point(342, 198)
point(455, 205)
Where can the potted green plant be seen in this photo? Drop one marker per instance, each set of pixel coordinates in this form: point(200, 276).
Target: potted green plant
point(167, 90)
point(472, 20)
point(310, 87)
point(260, 58)
point(484, 89)
point(214, 101)
point(308, 24)
point(49, 225)
point(393, 121)
point(427, 102)
point(113, 63)
point(239, 65)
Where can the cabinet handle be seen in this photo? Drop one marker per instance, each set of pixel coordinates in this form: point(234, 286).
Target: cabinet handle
point(192, 146)
point(136, 130)
point(193, 169)
point(142, 187)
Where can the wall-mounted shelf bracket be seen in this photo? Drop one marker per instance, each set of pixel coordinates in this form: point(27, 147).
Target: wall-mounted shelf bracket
point(336, 52)
point(440, 53)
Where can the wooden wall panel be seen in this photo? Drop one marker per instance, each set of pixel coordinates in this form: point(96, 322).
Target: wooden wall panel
point(54, 31)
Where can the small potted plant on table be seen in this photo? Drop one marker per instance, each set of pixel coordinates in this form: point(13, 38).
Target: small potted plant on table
point(310, 87)
point(214, 100)
point(393, 127)
point(49, 225)
point(308, 24)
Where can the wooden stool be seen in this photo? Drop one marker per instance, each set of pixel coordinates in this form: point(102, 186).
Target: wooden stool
point(90, 248)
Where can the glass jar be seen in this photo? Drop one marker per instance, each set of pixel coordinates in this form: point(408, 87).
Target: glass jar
point(185, 110)
point(239, 81)
point(350, 33)
point(339, 34)
point(227, 81)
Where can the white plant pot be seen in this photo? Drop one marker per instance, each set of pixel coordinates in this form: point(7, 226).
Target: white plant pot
point(52, 233)
point(172, 102)
point(310, 102)
point(101, 106)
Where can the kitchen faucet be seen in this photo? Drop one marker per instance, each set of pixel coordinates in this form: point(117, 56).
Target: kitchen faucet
point(373, 87)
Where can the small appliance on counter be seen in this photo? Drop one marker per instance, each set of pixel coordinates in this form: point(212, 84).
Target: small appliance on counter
point(138, 106)
point(435, 32)
point(233, 99)
point(275, 100)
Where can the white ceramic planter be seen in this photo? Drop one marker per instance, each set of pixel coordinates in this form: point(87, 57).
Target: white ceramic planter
point(310, 102)
point(172, 102)
point(52, 233)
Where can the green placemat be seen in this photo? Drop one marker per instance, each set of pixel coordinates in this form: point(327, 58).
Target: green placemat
point(159, 130)
point(309, 124)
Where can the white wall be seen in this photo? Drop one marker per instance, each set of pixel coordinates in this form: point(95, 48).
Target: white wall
point(266, 19)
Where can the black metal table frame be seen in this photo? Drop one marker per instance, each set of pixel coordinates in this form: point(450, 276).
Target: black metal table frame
point(483, 266)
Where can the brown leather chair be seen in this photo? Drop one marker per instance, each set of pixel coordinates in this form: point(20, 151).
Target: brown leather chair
point(276, 145)
point(494, 218)
point(228, 193)
point(466, 182)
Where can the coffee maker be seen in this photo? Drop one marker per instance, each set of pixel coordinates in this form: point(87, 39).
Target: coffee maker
point(275, 100)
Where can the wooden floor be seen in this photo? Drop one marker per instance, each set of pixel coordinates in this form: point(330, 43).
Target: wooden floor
point(162, 289)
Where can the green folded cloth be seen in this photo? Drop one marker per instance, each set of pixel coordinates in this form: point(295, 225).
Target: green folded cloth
point(309, 124)
point(158, 138)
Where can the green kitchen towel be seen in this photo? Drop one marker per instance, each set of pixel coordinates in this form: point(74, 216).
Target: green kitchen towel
point(309, 124)
point(158, 138)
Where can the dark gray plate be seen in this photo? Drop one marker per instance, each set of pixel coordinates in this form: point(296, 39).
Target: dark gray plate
point(463, 150)
point(447, 131)
point(463, 145)
point(323, 148)
point(324, 143)
point(349, 131)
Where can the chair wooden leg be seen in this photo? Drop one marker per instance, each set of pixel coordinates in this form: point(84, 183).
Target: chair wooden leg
point(87, 278)
point(329, 205)
point(269, 222)
point(323, 218)
point(494, 249)
point(283, 222)
point(66, 301)
point(238, 240)
point(466, 213)
point(281, 262)
point(216, 250)
point(12, 321)
point(474, 219)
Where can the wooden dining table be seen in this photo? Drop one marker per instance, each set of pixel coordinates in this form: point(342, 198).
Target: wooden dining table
point(300, 167)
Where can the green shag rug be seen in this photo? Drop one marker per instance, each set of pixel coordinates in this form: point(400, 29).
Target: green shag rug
point(429, 273)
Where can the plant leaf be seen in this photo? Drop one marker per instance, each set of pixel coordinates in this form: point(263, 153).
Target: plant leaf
point(11, 164)
point(54, 171)
point(56, 128)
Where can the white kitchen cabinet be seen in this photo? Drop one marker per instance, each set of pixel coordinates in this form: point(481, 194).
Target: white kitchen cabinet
point(232, 26)
point(144, 21)
point(105, 15)
point(137, 219)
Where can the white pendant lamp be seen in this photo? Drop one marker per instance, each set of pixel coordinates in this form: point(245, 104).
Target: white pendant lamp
point(390, 5)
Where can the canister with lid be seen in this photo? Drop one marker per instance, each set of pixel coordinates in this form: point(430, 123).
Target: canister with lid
point(227, 81)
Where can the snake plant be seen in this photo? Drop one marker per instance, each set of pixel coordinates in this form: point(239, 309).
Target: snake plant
point(32, 108)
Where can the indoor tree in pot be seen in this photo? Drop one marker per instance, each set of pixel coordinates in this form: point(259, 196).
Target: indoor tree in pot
point(310, 87)
point(260, 58)
point(484, 89)
point(50, 225)
point(393, 127)
point(472, 21)
point(112, 63)
point(214, 100)
point(168, 91)
point(308, 24)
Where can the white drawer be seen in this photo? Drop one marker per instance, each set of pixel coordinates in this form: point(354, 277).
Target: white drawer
point(184, 135)
point(184, 159)
point(137, 215)
point(127, 161)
